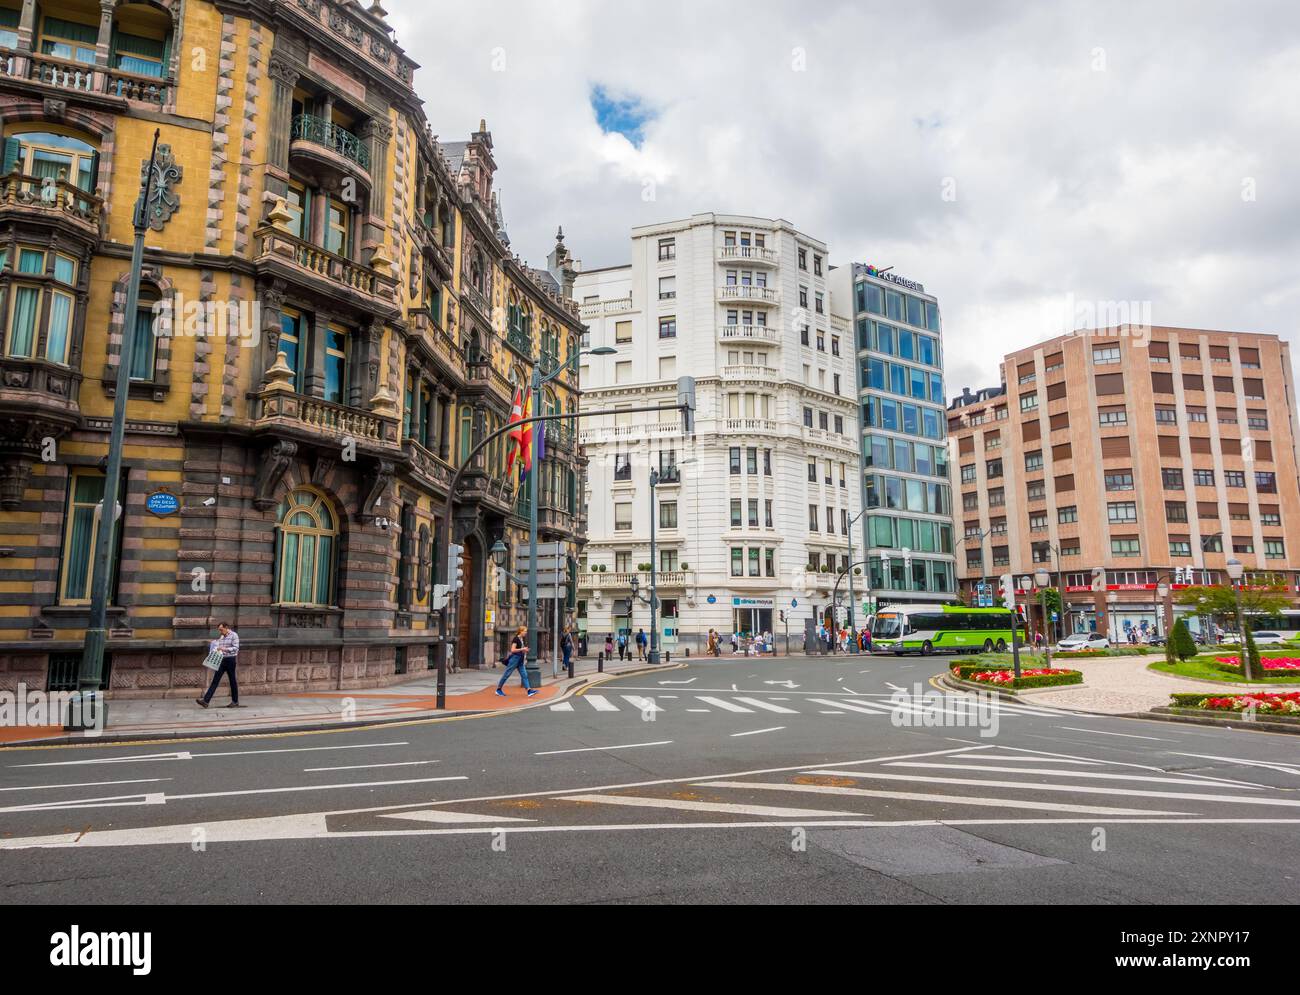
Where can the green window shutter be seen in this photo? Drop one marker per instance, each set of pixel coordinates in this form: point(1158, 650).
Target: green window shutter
point(167, 55)
point(11, 154)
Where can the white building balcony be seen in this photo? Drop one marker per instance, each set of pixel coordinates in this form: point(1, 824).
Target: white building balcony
point(767, 374)
point(615, 305)
point(749, 255)
point(631, 433)
point(748, 333)
point(610, 580)
point(765, 426)
point(740, 294)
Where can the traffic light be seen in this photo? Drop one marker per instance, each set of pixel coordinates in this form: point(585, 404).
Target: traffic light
point(781, 614)
point(686, 402)
point(439, 597)
point(456, 557)
point(1008, 586)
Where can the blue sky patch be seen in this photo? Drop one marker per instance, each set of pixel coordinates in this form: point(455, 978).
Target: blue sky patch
point(625, 116)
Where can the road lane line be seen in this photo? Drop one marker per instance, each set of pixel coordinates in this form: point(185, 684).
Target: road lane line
point(402, 763)
point(724, 704)
point(602, 749)
point(757, 703)
point(861, 707)
point(755, 732)
point(641, 703)
point(563, 706)
point(727, 808)
point(86, 784)
point(1036, 760)
point(600, 703)
point(914, 796)
point(1071, 788)
point(1281, 766)
point(1125, 735)
point(441, 815)
point(1167, 779)
point(185, 755)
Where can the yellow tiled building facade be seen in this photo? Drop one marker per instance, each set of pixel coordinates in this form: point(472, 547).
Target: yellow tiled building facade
point(330, 317)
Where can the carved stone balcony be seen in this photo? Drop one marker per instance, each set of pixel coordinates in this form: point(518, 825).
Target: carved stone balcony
point(484, 377)
point(54, 202)
point(92, 81)
point(428, 337)
point(309, 419)
point(38, 401)
point(368, 288)
point(749, 295)
point(748, 255)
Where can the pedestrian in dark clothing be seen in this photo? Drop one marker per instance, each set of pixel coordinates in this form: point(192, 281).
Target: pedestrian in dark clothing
point(228, 644)
point(566, 646)
point(640, 643)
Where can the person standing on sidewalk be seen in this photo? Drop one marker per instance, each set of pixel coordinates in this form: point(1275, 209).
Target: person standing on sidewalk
point(640, 643)
point(228, 644)
point(516, 660)
point(609, 646)
point(566, 646)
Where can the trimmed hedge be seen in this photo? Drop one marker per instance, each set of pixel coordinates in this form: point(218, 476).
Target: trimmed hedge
point(1041, 681)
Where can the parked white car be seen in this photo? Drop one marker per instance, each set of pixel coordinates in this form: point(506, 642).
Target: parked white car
point(1264, 637)
point(1083, 641)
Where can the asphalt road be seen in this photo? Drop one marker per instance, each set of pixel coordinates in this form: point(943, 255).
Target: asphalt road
point(735, 780)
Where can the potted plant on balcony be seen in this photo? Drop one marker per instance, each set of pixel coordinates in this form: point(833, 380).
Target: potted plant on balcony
point(683, 566)
point(644, 567)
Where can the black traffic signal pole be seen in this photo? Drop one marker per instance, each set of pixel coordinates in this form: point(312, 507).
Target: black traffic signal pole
point(448, 511)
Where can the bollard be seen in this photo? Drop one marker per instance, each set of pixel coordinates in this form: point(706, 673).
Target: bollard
point(600, 662)
point(570, 668)
point(668, 657)
point(688, 651)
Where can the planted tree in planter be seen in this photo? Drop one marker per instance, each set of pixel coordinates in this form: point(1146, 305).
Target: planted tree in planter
point(1184, 644)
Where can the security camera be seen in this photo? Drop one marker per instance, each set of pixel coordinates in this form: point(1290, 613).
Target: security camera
point(209, 502)
point(382, 523)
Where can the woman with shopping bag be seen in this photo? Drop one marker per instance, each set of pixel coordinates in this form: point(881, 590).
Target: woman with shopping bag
point(223, 656)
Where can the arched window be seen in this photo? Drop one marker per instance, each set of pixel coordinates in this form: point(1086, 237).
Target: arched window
point(306, 542)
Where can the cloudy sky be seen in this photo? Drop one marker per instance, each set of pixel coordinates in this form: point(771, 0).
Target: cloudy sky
point(1024, 161)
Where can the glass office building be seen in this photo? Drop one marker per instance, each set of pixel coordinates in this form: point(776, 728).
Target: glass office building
point(907, 525)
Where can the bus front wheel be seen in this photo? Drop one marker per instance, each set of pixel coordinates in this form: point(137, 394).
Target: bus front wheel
point(988, 646)
point(926, 648)
point(1002, 645)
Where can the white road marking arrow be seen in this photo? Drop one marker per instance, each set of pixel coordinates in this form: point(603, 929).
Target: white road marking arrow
point(788, 685)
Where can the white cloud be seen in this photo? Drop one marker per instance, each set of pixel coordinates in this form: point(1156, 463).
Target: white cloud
point(1119, 184)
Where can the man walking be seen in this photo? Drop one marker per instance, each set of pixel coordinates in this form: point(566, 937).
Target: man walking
point(228, 645)
point(516, 660)
point(640, 643)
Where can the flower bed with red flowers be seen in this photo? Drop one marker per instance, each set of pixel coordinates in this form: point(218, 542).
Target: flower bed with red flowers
point(1284, 704)
point(1286, 668)
point(1041, 677)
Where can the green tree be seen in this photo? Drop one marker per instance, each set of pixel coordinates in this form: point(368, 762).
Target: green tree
point(1184, 644)
point(1266, 597)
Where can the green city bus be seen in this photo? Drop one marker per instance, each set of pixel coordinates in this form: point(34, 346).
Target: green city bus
point(930, 628)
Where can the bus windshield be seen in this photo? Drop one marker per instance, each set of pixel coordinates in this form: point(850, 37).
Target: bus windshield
point(887, 627)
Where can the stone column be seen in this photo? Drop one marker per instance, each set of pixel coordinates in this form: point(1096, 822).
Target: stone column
point(377, 133)
point(314, 378)
point(285, 78)
point(27, 26)
point(105, 39)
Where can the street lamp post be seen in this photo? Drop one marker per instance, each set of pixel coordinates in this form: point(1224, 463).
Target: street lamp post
point(1042, 578)
point(653, 657)
point(853, 631)
point(1235, 570)
point(91, 673)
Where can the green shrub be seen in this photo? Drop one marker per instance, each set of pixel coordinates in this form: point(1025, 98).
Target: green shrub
point(1252, 669)
point(1184, 644)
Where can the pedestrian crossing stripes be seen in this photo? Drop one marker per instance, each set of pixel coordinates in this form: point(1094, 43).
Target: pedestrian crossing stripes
point(749, 704)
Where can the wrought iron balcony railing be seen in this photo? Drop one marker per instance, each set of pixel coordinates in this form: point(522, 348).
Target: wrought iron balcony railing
point(309, 128)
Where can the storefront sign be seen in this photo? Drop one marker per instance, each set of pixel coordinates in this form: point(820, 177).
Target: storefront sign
point(893, 278)
point(752, 602)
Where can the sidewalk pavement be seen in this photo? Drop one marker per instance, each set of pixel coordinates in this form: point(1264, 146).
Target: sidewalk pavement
point(1118, 685)
point(468, 692)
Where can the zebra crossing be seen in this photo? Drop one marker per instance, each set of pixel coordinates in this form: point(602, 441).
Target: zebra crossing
point(743, 703)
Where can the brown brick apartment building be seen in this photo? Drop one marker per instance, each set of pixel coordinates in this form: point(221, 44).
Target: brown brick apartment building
point(1152, 454)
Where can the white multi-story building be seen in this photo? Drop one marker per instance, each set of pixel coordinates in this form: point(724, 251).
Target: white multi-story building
point(752, 514)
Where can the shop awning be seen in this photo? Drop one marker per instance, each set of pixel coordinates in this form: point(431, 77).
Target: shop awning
point(622, 607)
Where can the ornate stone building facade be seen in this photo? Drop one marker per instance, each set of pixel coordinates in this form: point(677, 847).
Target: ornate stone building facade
point(331, 315)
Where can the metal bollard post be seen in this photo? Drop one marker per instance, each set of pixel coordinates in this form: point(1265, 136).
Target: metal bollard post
point(600, 662)
point(668, 657)
point(688, 651)
point(570, 668)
